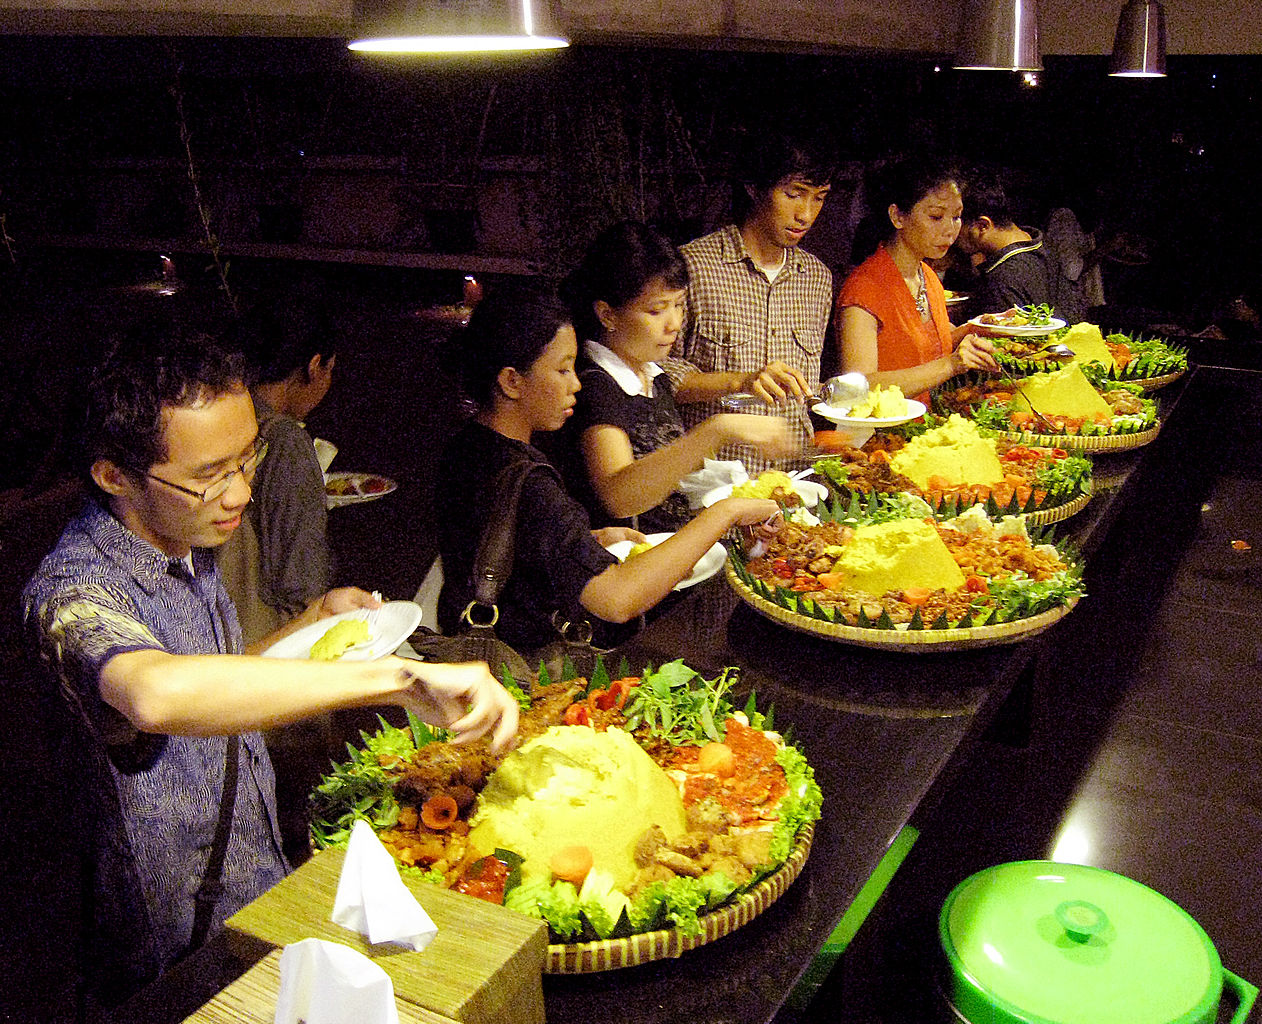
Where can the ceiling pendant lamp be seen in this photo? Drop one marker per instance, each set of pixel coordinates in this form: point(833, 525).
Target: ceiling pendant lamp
point(999, 35)
point(454, 26)
point(1139, 48)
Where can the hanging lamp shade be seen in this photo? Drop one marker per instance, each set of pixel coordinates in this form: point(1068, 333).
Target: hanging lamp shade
point(999, 35)
point(455, 26)
point(1139, 48)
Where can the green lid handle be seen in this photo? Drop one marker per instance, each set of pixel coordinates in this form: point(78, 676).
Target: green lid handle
point(1081, 920)
point(1246, 994)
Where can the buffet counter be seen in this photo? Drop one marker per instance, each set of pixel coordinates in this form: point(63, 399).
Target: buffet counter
point(884, 731)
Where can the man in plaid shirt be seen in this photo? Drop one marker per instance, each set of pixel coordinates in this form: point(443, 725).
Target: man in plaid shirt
point(757, 305)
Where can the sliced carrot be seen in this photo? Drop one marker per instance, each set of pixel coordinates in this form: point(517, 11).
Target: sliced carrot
point(439, 811)
point(975, 584)
point(571, 864)
point(577, 714)
point(916, 596)
point(831, 441)
point(832, 580)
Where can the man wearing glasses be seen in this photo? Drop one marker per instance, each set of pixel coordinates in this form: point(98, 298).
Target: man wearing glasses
point(176, 791)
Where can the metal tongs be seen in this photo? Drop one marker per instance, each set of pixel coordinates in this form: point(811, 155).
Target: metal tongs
point(1057, 350)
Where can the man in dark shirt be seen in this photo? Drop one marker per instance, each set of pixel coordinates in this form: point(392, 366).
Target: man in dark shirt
point(1016, 270)
point(131, 617)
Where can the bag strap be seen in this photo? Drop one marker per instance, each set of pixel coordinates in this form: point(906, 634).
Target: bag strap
point(493, 563)
point(211, 887)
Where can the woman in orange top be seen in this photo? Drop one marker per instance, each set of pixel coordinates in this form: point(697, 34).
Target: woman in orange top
point(891, 317)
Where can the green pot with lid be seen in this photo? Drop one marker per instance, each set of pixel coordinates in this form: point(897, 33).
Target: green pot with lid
point(1037, 942)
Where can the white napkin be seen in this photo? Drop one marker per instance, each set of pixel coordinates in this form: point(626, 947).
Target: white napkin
point(325, 452)
point(372, 899)
point(327, 983)
point(713, 474)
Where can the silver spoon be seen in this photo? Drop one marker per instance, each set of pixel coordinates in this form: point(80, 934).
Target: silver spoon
point(1058, 350)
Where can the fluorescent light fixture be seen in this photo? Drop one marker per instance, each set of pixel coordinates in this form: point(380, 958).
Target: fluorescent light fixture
point(999, 35)
point(1139, 48)
point(455, 26)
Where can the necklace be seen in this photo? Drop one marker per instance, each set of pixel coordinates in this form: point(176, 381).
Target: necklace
point(922, 300)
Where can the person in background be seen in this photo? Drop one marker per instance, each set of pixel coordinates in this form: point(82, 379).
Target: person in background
point(1016, 269)
point(891, 318)
point(279, 560)
point(627, 300)
point(130, 617)
point(757, 305)
point(515, 361)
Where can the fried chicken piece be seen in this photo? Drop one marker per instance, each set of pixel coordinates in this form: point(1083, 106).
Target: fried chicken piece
point(648, 844)
point(679, 864)
point(730, 866)
point(691, 844)
point(650, 874)
point(750, 848)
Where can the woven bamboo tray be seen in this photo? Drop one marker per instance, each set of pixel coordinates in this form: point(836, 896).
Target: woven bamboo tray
point(251, 999)
point(911, 641)
point(611, 954)
point(1084, 443)
point(1153, 383)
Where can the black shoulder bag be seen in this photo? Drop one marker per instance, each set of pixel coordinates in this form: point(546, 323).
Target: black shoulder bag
point(492, 567)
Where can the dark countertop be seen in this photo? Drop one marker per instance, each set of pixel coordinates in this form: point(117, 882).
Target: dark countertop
point(884, 731)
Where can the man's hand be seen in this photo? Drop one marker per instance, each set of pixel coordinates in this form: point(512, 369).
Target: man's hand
point(775, 382)
point(769, 434)
point(345, 599)
point(464, 699)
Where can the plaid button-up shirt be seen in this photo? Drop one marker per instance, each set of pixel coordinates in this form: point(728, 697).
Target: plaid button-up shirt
point(736, 320)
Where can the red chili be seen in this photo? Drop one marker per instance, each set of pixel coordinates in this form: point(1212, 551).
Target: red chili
point(975, 585)
point(576, 714)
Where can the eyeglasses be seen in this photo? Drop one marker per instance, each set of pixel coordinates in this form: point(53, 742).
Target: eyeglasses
point(220, 487)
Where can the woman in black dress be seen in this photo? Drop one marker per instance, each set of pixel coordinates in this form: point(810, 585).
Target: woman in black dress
point(516, 362)
point(627, 300)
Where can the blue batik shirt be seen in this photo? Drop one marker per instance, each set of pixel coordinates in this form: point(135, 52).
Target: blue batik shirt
point(153, 800)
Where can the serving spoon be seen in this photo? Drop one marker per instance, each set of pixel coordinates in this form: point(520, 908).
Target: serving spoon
point(844, 390)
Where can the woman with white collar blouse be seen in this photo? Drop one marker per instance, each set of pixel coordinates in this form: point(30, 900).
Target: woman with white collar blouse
point(627, 300)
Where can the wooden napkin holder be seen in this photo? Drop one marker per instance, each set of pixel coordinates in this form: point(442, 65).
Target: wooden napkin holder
point(484, 966)
point(251, 999)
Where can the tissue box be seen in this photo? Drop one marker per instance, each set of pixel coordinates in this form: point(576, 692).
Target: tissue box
point(251, 999)
point(484, 966)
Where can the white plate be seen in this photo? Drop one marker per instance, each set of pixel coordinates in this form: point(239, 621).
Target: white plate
point(842, 417)
point(809, 491)
point(1027, 331)
point(358, 481)
point(709, 563)
point(390, 625)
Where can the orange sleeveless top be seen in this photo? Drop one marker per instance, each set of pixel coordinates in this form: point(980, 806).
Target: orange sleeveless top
point(903, 339)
